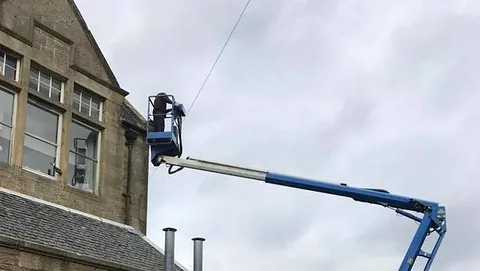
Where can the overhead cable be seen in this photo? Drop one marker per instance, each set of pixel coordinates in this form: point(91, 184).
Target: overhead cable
point(219, 55)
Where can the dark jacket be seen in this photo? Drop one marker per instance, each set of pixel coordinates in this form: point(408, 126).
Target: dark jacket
point(160, 103)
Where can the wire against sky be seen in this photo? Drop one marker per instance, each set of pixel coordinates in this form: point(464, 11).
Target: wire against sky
point(219, 55)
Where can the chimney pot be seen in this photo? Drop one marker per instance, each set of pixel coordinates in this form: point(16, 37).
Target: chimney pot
point(169, 257)
point(198, 253)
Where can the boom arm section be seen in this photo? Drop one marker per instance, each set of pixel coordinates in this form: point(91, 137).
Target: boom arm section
point(433, 219)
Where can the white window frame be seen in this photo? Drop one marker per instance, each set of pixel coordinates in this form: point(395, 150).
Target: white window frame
point(92, 97)
point(57, 144)
point(4, 64)
point(40, 72)
point(99, 147)
point(14, 118)
point(17, 72)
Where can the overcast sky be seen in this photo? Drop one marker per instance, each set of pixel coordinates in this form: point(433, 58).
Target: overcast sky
point(370, 93)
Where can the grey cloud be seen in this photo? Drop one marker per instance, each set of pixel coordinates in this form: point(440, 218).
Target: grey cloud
point(374, 94)
point(445, 49)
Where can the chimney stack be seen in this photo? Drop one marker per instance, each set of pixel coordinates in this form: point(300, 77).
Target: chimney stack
point(198, 253)
point(169, 259)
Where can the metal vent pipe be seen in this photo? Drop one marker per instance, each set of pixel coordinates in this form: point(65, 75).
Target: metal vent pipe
point(198, 253)
point(169, 258)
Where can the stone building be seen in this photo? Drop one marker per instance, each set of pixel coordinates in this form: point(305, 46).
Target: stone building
point(69, 139)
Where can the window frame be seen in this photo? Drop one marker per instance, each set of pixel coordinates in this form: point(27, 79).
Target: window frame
point(52, 75)
point(6, 53)
point(17, 72)
point(12, 127)
point(58, 144)
point(79, 122)
point(93, 97)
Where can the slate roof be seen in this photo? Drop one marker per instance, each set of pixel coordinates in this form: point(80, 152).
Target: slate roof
point(26, 219)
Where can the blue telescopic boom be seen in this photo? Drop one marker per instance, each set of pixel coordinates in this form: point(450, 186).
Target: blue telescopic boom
point(432, 220)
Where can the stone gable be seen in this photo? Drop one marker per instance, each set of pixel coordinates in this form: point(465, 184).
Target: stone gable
point(48, 35)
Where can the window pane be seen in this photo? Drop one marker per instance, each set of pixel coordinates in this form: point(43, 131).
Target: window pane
point(11, 61)
point(44, 89)
point(6, 107)
point(39, 156)
point(10, 72)
point(86, 98)
point(40, 146)
point(95, 103)
point(5, 136)
point(82, 175)
point(34, 73)
point(95, 114)
point(83, 140)
point(55, 95)
point(85, 108)
point(41, 123)
point(45, 78)
point(56, 84)
point(33, 84)
point(75, 104)
point(2, 57)
point(80, 156)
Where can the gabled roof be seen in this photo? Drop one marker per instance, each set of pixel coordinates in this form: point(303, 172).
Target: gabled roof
point(128, 112)
point(33, 223)
point(94, 43)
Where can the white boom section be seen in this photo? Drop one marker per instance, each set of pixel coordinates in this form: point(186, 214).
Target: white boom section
point(215, 167)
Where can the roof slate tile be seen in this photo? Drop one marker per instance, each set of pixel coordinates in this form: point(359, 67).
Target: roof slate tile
point(27, 220)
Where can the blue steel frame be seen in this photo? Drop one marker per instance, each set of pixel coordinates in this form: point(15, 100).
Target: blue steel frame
point(167, 142)
point(433, 220)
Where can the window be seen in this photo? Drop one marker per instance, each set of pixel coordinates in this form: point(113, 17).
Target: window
point(6, 117)
point(9, 65)
point(83, 156)
point(86, 103)
point(40, 151)
point(44, 83)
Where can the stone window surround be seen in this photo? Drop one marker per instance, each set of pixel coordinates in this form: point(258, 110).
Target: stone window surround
point(21, 86)
point(7, 53)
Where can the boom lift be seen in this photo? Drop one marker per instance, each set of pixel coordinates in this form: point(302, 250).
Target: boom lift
point(166, 149)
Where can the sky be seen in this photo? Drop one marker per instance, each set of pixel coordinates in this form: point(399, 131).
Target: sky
point(369, 93)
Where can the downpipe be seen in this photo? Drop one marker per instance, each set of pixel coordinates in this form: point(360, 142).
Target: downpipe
point(130, 137)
